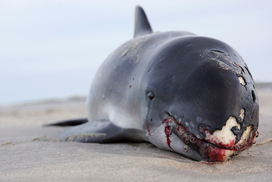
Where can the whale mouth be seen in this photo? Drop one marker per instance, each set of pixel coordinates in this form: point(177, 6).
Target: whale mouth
point(210, 151)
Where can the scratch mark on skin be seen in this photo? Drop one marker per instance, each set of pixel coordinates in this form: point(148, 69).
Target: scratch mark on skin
point(223, 60)
point(125, 53)
point(242, 114)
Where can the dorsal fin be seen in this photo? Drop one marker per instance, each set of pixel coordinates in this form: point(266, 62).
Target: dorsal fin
point(142, 25)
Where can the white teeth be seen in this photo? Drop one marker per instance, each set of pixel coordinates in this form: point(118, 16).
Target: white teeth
point(242, 81)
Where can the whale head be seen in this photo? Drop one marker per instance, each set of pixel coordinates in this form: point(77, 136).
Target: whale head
point(200, 99)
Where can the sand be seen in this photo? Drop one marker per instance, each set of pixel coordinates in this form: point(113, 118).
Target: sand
point(30, 152)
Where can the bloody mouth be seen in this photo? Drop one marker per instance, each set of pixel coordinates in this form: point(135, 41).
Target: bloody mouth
point(209, 150)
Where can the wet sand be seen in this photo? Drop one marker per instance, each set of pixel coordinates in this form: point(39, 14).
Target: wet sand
point(30, 152)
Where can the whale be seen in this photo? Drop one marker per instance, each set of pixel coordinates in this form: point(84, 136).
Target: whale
point(185, 93)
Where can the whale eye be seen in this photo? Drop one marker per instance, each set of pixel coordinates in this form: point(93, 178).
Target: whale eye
point(150, 95)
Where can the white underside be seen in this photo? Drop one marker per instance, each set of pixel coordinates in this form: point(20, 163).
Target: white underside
point(118, 116)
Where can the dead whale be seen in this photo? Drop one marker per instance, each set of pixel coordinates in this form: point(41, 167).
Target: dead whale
point(185, 93)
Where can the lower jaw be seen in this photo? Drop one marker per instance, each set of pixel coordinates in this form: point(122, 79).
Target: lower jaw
point(215, 154)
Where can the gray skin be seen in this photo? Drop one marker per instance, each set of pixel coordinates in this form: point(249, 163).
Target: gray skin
point(159, 75)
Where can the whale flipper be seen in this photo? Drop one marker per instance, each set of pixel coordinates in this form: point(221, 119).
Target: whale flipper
point(101, 132)
point(142, 25)
point(70, 122)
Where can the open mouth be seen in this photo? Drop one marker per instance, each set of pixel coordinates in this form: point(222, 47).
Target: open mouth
point(207, 147)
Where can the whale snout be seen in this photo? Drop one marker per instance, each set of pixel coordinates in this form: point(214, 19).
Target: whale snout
point(217, 146)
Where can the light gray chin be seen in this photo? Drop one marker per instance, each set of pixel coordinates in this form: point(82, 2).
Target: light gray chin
point(159, 139)
point(178, 146)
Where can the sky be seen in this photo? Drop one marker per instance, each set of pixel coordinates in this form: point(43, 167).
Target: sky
point(52, 48)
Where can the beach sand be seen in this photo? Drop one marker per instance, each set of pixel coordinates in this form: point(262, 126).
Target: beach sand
point(31, 152)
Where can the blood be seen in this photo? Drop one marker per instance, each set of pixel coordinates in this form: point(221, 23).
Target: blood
point(217, 154)
point(256, 134)
point(211, 153)
point(212, 149)
point(193, 138)
point(185, 138)
point(168, 132)
point(216, 141)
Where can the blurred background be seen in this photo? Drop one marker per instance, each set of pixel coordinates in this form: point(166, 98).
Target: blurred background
point(52, 48)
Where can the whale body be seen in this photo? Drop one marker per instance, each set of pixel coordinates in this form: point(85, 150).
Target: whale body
point(182, 92)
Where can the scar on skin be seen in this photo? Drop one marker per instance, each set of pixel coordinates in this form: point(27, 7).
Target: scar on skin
point(224, 136)
point(245, 136)
point(242, 80)
point(124, 53)
point(242, 114)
